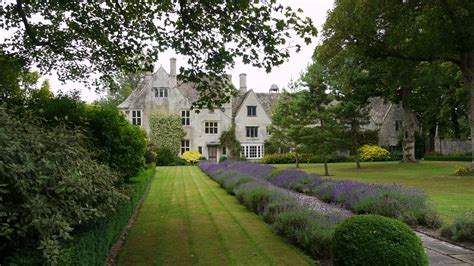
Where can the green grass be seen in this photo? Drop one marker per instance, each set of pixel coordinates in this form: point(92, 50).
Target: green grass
point(188, 219)
point(450, 195)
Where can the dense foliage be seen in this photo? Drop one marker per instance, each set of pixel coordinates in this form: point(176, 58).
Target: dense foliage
point(112, 139)
point(370, 153)
point(78, 38)
point(50, 185)
point(166, 132)
point(376, 240)
point(228, 139)
point(461, 230)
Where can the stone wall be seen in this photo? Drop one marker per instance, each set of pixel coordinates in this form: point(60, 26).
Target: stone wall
point(449, 146)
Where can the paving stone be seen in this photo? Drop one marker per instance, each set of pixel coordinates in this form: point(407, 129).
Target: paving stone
point(469, 258)
point(436, 258)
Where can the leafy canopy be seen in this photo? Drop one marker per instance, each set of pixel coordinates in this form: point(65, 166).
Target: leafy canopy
point(79, 38)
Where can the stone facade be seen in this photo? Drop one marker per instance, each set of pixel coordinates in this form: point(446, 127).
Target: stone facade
point(162, 92)
point(387, 118)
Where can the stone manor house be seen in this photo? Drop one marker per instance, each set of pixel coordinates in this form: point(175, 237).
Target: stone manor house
point(251, 111)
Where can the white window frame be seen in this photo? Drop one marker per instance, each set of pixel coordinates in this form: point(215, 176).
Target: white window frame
point(211, 127)
point(253, 130)
point(185, 117)
point(252, 151)
point(137, 117)
point(185, 145)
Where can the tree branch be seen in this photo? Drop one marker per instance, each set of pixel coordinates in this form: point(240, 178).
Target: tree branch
point(28, 29)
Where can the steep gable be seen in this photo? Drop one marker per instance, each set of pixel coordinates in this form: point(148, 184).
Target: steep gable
point(250, 98)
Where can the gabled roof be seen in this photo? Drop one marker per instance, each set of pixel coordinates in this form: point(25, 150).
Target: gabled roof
point(237, 102)
point(379, 109)
point(134, 96)
point(188, 90)
point(267, 100)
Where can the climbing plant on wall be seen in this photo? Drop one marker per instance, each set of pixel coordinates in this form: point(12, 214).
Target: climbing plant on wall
point(229, 140)
point(166, 131)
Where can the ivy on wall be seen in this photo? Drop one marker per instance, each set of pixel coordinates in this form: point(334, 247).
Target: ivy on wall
point(166, 131)
point(229, 140)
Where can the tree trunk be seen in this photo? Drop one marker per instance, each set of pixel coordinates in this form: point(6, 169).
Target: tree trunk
point(455, 122)
point(467, 68)
point(357, 159)
point(409, 134)
point(297, 160)
point(326, 169)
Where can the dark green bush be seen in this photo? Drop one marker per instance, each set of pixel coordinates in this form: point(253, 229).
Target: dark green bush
point(289, 158)
point(376, 240)
point(222, 158)
point(150, 154)
point(466, 157)
point(165, 157)
point(461, 230)
point(50, 185)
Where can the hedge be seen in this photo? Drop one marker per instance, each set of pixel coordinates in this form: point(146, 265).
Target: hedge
point(289, 158)
point(454, 157)
point(91, 244)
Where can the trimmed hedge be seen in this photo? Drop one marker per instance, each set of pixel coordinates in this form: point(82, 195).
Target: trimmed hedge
point(289, 158)
point(91, 244)
point(454, 157)
point(376, 240)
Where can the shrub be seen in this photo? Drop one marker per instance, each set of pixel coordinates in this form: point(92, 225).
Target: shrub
point(50, 185)
point(191, 157)
point(150, 154)
point(165, 157)
point(450, 157)
point(222, 158)
point(462, 171)
point(306, 229)
point(255, 197)
point(166, 131)
point(461, 230)
point(373, 153)
point(376, 240)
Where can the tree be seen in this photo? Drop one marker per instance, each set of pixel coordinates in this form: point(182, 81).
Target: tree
point(411, 31)
point(288, 123)
point(78, 38)
point(322, 132)
point(123, 85)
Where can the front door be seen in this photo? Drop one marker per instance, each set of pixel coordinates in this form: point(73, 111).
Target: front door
point(212, 151)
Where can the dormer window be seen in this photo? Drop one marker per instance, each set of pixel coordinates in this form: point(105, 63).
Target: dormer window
point(161, 92)
point(137, 117)
point(251, 110)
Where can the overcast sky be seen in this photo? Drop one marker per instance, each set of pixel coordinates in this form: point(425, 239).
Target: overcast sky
point(257, 79)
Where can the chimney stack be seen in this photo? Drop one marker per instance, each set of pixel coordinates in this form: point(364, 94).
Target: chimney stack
point(173, 80)
point(243, 83)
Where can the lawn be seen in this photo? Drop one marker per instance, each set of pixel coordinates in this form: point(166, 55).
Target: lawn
point(450, 195)
point(188, 219)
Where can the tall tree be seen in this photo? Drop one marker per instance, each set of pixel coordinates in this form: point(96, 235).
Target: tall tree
point(78, 38)
point(412, 31)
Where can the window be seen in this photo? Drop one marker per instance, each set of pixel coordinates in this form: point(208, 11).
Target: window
point(210, 127)
point(184, 145)
point(185, 117)
point(253, 151)
point(251, 132)
point(161, 92)
point(251, 110)
point(200, 149)
point(398, 125)
point(224, 151)
point(137, 117)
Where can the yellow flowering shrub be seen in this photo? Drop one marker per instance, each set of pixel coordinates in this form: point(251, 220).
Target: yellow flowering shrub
point(191, 157)
point(373, 153)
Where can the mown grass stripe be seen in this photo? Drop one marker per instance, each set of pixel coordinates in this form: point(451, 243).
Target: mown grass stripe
point(256, 249)
point(186, 221)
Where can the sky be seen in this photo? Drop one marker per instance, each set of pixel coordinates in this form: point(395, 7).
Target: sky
point(257, 79)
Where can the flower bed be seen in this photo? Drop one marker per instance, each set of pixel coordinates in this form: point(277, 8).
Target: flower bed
point(407, 205)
